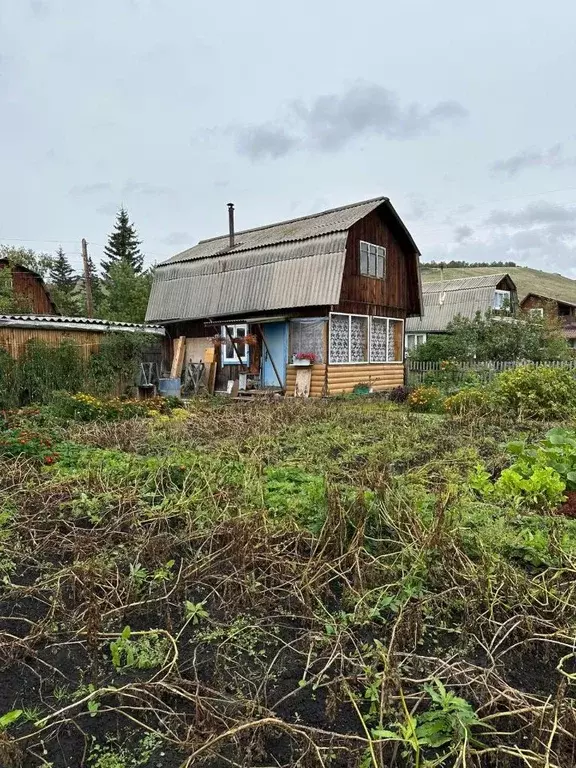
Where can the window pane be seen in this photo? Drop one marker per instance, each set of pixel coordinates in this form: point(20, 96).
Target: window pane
point(240, 346)
point(358, 339)
point(339, 339)
point(307, 335)
point(378, 340)
point(394, 341)
point(372, 262)
point(363, 263)
point(410, 342)
point(373, 249)
point(363, 247)
point(380, 266)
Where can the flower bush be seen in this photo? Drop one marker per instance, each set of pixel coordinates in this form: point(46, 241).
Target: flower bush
point(425, 399)
point(24, 443)
point(306, 356)
point(541, 393)
point(85, 407)
point(399, 394)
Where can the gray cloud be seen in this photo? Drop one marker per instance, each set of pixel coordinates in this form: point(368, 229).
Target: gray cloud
point(533, 214)
point(419, 208)
point(552, 158)
point(540, 234)
point(177, 238)
point(108, 209)
point(462, 233)
point(261, 141)
point(334, 120)
point(38, 7)
point(84, 190)
point(145, 188)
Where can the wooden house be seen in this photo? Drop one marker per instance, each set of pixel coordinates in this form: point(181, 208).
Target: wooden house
point(337, 285)
point(446, 300)
point(562, 307)
point(29, 289)
point(38, 319)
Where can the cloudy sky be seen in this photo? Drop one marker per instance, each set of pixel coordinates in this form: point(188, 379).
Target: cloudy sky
point(464, 114)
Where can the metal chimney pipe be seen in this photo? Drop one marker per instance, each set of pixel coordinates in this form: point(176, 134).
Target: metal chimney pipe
point(231, 223)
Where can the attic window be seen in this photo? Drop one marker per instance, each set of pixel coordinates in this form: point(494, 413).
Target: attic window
point(502, 300)
point(372, 260)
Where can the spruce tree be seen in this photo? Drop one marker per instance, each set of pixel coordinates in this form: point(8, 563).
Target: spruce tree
point(63, 281)
point(123, 246)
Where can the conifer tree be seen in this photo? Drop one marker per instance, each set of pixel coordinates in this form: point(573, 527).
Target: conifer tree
point(123, 246)
point(64, 284)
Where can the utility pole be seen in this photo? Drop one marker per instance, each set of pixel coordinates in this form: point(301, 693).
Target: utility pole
point(87, 279)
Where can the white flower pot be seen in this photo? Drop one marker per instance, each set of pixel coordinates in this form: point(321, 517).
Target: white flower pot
point(300, 363)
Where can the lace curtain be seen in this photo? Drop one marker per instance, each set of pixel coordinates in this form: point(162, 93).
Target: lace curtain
point(307, 335)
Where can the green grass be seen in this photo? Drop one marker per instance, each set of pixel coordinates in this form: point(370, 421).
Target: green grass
point(527, 280)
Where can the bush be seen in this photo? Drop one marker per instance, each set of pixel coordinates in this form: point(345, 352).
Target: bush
point(471, 401)
point(425, 400)
point(399, 394)
point(23, 443)
point(541, 393)
point(85, 407)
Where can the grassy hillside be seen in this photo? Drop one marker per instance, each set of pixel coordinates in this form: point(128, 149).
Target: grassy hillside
point(527, 280)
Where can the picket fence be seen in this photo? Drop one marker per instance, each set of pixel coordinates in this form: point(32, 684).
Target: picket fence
point(418, 372)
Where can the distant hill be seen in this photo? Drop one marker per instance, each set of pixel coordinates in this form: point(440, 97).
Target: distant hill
point(527, 280)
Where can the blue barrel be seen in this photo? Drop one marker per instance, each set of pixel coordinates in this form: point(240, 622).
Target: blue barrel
point(169, 387)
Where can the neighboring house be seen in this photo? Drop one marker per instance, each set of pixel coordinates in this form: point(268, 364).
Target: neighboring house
point(29, 288)
point(338, 284)
point(465, 297)
point(47, 325)
point(553, 306)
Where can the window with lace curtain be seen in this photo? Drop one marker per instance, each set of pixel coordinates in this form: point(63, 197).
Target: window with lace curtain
point(363, 339)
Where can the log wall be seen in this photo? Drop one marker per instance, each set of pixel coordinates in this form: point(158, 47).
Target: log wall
point(342, 379)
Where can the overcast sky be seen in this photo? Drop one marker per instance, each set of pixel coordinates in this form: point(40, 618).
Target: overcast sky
point(464, 114)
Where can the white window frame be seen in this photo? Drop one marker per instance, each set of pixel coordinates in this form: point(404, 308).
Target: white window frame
point(419, 338)
point(370, 318)
point(234, 360)
point(380, 252)
point(507, 295)
point(537, 311)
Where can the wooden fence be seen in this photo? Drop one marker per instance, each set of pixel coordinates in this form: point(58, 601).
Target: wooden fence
point(418, 372)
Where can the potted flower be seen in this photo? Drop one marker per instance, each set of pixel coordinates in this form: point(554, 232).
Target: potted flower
point(304, 358)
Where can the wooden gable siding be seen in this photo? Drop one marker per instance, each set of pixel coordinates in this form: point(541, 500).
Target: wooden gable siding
point(28, 285)
point(397, 294)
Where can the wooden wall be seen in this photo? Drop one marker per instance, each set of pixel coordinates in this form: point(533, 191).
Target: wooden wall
point(342, 379)
point(14, 340)
point(31, 288)
point(394, 296)
point(316, 383)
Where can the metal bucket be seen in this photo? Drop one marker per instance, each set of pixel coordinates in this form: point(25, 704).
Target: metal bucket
point(169, 387)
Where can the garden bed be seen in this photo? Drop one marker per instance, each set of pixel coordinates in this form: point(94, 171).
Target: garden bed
point(297, 584)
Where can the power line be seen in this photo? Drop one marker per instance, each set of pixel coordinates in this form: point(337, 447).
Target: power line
point(456, 209)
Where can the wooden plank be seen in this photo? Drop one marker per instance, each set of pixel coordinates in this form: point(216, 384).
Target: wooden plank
point(178, 359)
point(303, 382)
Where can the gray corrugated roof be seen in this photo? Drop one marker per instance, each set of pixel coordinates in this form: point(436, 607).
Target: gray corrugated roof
point(296, 263)
point(334, 220)
point(463, 283)
point(76, 323)
point(444, 302)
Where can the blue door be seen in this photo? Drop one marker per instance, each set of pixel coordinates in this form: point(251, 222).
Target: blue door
point(276, 337)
